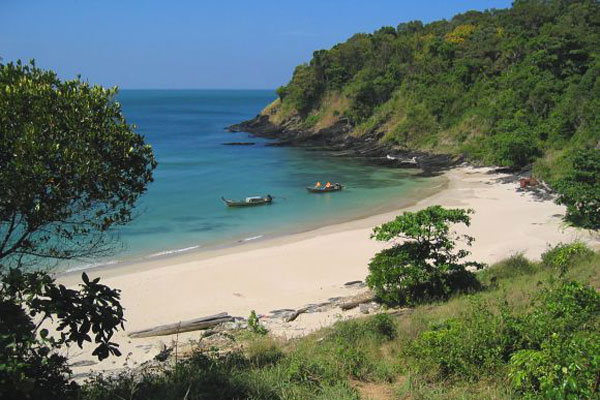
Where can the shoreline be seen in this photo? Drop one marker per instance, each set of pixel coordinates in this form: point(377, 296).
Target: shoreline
point(295, 270)
point(199, 252)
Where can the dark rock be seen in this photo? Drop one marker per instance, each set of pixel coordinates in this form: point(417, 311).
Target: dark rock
point(163, 354)
point(238, 144)
point(337, 141)
point(354, 284)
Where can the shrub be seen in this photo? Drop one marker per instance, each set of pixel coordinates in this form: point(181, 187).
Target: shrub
point(552, 351)
point(559, 352)
point(515, 265)
point(263, 352)
point(384, 326)
point(467, 347)
point(352, 360)
point(311, 121)
point(564, 256)
point(310, 371)
point(561, 310)
point(380, 327)
point(254, 324)
point(561, 369)
point(579, 190)
point(514, 150)
point(426, 266)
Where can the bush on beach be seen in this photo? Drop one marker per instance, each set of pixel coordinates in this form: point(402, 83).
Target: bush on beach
point(426, 266)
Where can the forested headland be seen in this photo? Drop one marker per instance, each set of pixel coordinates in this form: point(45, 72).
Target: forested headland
point(506, 87)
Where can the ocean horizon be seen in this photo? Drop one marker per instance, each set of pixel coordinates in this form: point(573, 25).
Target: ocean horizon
point(183, 211)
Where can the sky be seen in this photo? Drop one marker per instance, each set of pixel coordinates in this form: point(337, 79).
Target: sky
point(195, 44)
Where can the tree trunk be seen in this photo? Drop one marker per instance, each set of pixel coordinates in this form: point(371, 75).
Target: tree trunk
point(183, 326)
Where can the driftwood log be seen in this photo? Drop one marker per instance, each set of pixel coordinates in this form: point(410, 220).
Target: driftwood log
point(183, 326)
point(354, 302)
point(297, 313)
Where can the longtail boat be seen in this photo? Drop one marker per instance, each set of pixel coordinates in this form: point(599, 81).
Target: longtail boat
point(323, 189)
point(248, 201)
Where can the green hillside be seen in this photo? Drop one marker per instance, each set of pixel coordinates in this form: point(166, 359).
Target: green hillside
point(503, 87)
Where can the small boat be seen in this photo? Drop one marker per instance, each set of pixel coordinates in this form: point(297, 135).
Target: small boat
point(405, 161)
point(248, 201)
point(322, 189)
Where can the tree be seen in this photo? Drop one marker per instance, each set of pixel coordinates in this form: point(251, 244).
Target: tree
point(305, 90)
point(579, 190)
point(514, 150)
point(70, 168)
point(425, 266)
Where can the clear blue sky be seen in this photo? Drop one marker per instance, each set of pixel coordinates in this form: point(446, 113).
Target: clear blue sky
point(196, 43)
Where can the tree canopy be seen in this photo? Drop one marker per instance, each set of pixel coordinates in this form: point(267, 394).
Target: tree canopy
point(425, 265)
point(70, 165)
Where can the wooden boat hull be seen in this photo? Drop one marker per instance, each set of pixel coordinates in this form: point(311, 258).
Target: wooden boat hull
point(233, 203)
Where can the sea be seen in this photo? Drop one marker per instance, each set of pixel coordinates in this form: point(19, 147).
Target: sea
point(182, 210)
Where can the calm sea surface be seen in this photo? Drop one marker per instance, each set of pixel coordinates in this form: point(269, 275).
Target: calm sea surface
point(182, 209)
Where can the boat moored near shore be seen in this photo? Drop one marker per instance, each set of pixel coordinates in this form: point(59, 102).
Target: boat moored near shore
point(318, 188)
point(248, 201)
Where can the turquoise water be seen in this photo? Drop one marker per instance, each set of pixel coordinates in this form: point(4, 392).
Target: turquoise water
point(182, 208)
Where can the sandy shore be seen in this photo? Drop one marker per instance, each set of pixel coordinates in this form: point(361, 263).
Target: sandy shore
point(291, 271)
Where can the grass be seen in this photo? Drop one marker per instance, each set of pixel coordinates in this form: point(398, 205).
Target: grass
point(369, 358)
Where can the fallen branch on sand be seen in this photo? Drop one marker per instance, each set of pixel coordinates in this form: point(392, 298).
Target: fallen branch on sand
point(355, 301)
point(297, 313)
point(183, 326)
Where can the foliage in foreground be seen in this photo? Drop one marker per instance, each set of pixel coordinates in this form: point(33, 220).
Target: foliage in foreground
point(30, 367)
point(550, 352)
point(425, 266)
point(310, 371)
point(541, 340)
point(71, 167)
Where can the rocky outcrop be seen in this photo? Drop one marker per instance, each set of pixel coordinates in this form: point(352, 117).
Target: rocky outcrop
point(338, 141)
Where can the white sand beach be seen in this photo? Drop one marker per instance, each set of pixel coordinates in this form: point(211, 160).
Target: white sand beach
point(294, 270)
